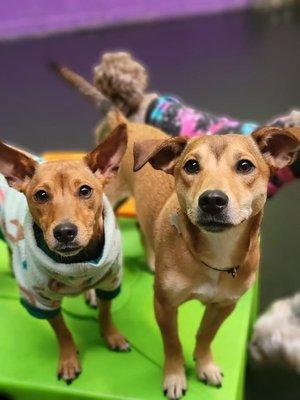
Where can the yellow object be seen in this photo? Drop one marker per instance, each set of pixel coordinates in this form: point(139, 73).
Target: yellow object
point(126, 210)
point(62, 155)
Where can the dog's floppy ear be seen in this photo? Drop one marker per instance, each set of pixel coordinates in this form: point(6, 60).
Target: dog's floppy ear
point(106, 157)
point(15, 165)
point(161, 154)
point(278, 146)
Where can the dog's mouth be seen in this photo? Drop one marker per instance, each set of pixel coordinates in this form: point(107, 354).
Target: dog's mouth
point(215, 226)
point(214, 223)
point(67, 250)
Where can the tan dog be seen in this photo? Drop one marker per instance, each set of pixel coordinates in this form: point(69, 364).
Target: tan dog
point(66, 224)
point(199, 205)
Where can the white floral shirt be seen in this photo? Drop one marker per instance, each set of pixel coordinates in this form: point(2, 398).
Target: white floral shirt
point(43, 282)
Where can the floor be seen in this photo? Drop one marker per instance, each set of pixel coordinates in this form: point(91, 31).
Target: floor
point(241, 64)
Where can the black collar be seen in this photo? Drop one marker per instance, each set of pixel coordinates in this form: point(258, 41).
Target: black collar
point(231, 270)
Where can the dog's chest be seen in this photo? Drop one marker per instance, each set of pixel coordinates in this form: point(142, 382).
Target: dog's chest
point(214, 285)
point(209, 289)
point(216, 290)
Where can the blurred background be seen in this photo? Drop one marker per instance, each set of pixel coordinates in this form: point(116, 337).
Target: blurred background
point(235, 57)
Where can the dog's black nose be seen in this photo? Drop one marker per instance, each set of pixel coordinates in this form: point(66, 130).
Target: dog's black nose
point(65, 233)
point(213, 201)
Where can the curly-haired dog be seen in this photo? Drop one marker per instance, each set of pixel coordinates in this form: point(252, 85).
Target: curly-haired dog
point(276, 335)
point(121, 81)
point(63, 237)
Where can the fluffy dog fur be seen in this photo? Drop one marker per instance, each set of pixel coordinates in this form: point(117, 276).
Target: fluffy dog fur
point(276, 335)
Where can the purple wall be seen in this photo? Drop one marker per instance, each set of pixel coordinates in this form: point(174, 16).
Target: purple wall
point(35, 17)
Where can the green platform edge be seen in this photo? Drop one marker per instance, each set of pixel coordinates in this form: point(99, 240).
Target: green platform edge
point(28, 351)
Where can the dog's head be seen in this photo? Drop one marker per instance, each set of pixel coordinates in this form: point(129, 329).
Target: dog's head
point(65, 197)
point(220, 181)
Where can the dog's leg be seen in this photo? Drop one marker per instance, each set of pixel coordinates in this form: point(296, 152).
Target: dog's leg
point(68, 366)
point(112, 336)
point(174, 382)
point(91, 298)
point(10, 262)
point(150, 255)
point(213, 317)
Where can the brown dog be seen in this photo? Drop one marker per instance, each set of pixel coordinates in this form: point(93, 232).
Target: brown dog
point(63, 236)
point(200, 205)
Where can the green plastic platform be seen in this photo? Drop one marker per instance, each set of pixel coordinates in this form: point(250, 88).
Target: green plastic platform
point(28, 351)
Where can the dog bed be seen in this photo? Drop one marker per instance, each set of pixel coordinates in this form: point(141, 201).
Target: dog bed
point(29, 354)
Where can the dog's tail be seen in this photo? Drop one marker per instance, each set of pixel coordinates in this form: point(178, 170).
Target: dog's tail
point(84, 87)
point(119, 81)
point(122, 80)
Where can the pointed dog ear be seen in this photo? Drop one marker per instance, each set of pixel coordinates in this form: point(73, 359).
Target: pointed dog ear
point(161, 154)
point(107, 156)
point(15, 165)
point(278, 146)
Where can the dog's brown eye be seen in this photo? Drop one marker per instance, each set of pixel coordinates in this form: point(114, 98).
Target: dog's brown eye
point(244, 166)
point(85, 191)
point(191, 167)
point(41, 196)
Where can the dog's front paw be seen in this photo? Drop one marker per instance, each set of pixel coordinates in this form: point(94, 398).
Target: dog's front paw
point(174, 385)
point(116, 341)
point(209, 373)
point(68, 368)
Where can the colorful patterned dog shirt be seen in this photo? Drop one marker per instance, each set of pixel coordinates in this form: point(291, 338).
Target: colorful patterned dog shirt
point(42, 281)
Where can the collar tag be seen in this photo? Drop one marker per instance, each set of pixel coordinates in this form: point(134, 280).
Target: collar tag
point(233, 271)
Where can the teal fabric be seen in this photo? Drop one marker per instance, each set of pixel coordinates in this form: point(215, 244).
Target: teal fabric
point(107, 295)
point(38, 312)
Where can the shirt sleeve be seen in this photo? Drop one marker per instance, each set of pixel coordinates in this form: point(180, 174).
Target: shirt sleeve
point(37, 312)
point(39, 301)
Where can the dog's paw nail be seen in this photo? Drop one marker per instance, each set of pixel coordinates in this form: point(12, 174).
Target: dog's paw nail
point(59, 377)
point(77, 374)
point(184, 392)
point(165, 392)
point(219, 385)
point(69, 381)
point(222, 374)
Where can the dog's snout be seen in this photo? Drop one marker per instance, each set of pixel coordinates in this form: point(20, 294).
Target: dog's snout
point(65, 233)
point(213, 201)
